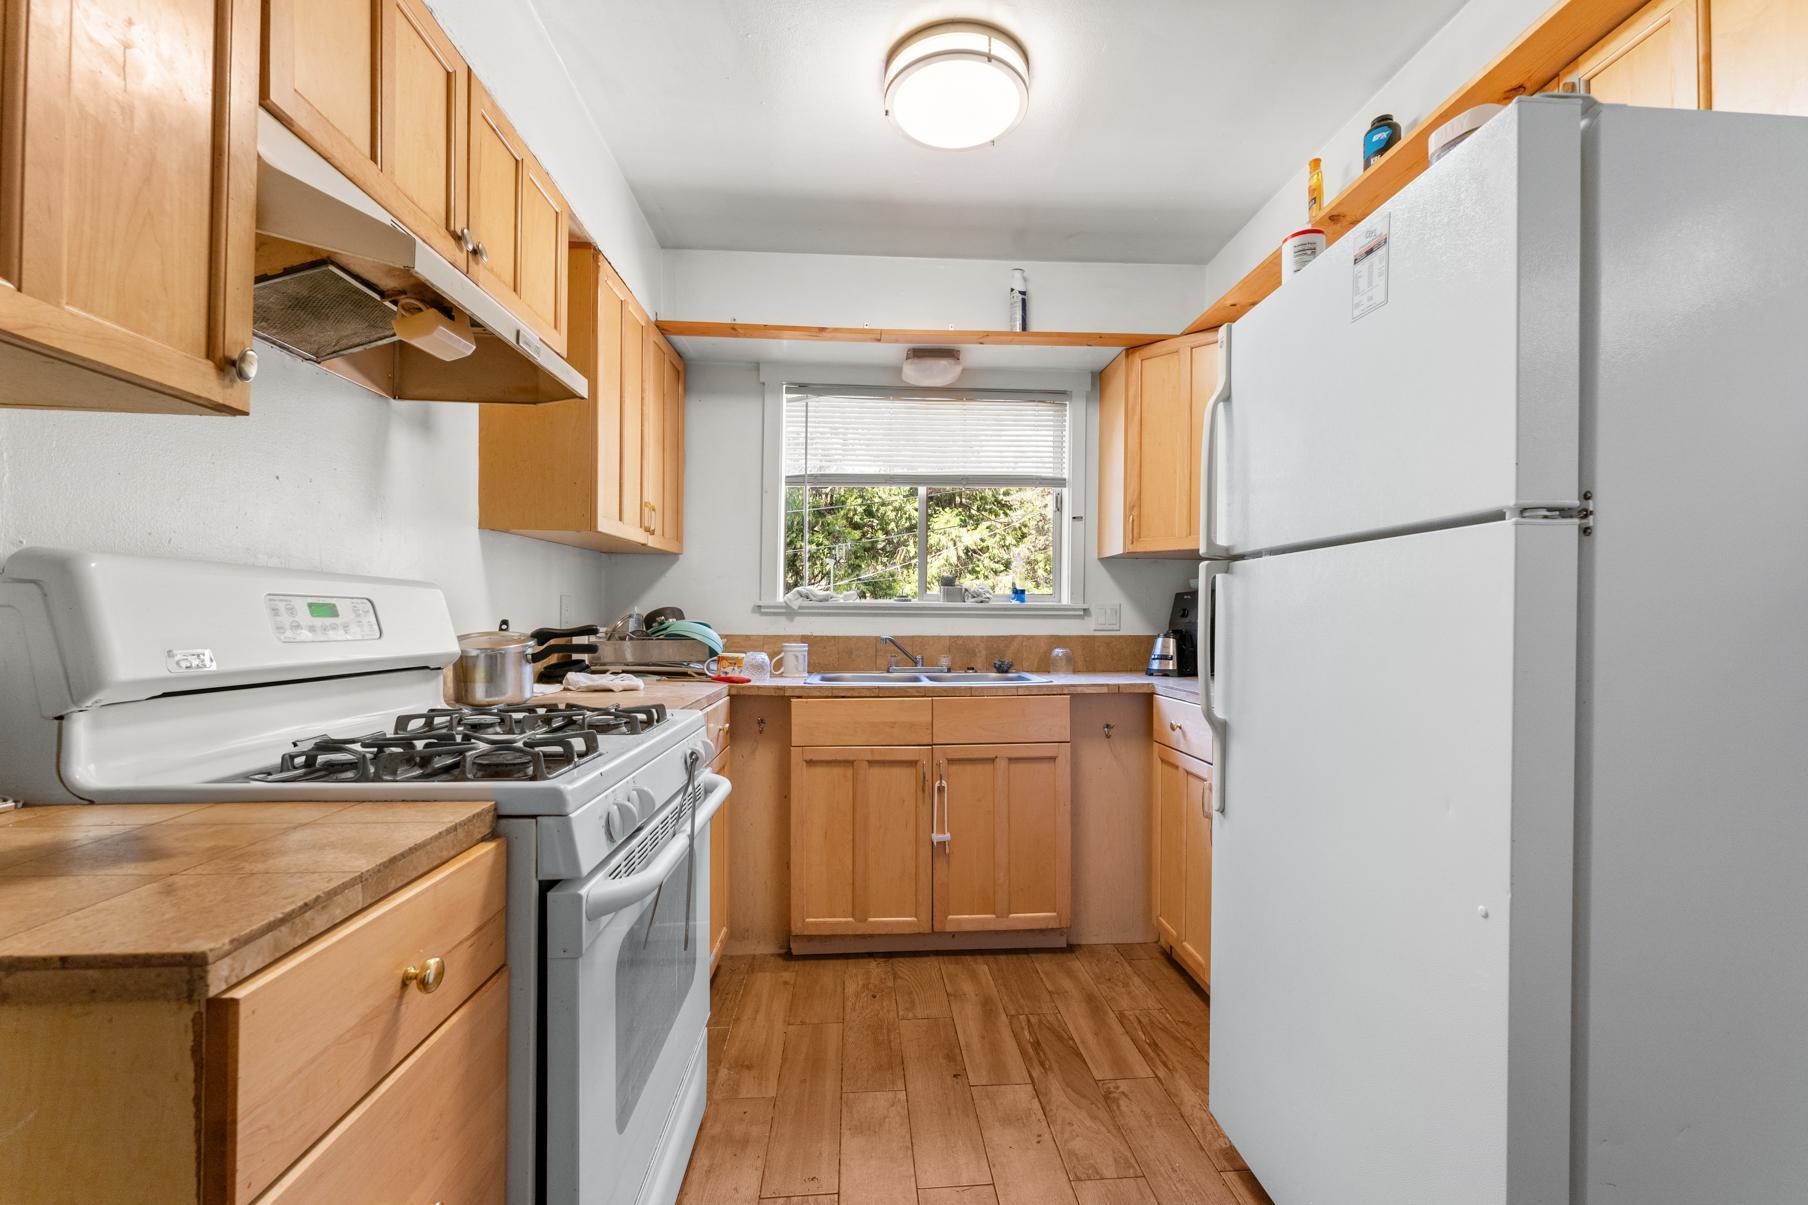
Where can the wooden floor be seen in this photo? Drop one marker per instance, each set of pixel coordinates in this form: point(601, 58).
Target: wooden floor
point(1074, 1077)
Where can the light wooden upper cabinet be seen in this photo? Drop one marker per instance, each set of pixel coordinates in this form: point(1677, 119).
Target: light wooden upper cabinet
point(1153, 402)
point(520, 228)
point(603, 472)
point(1183, 859)
point(1759, 53)
point(860, 861)
point(662, 444)
point(1007, 863)
point(322, 76)
point(424, 106)
point(1655, 59)
point(127, 203)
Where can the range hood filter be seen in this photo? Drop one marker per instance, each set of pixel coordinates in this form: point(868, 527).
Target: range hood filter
point(319, 311)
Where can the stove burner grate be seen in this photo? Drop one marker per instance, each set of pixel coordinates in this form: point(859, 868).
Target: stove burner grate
point(522, 742)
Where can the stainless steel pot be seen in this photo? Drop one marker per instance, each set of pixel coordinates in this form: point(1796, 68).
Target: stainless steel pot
point(494, 668)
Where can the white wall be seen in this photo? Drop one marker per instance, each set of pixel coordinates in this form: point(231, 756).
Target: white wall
point(322, 475)
point(718, 577)
point(508, 47)
point(886, 291)
point(1478, 33)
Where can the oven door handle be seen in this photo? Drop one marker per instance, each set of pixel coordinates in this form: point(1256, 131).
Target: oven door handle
point(605, 896)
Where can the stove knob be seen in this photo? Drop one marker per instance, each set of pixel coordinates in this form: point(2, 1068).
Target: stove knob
point(612, 823)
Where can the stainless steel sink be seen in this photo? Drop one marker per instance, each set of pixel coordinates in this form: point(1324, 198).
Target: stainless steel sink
point(978, 679)
point(868, 679)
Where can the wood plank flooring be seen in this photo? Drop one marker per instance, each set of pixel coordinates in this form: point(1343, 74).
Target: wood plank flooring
point(1077, 1076)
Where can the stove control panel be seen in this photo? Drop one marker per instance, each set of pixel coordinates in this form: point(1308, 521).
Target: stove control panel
point(306, 618)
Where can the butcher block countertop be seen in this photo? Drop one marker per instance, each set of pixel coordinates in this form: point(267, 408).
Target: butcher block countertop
point(193, 897)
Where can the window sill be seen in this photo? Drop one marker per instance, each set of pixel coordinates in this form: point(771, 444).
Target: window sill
point(887, 607)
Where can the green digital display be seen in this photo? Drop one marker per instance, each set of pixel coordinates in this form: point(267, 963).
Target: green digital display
point(323, 610)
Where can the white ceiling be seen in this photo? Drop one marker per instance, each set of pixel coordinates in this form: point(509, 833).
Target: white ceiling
point(1155, 129)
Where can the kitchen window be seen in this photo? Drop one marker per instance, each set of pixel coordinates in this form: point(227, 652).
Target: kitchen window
point(888, 490)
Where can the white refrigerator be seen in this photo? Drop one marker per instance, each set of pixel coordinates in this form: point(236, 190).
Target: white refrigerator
point(1505, 630)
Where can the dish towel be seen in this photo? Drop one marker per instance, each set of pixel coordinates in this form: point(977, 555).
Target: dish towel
point(577, 680)
point(818, 594)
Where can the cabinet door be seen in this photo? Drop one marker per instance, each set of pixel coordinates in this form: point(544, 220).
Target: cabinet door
point(654, 414)
point(1759, 52)
point(1193, 950)
point(1007, 863)
point(860, 827)
point(628, 466)
point(718, 869)
point(423, 108)
point(662, 444)
point(127, 202)
point(322, 66)
point(518, 222)
point(1171, 791)
point(1160, 460)
point(1653, 60)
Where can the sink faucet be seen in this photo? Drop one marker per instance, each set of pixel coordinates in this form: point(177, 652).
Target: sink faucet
point(915, 661)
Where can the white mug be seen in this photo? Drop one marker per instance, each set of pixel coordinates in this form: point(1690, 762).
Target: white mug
point(793, 661)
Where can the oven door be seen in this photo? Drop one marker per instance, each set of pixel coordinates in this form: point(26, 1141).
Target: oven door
point(627, 999)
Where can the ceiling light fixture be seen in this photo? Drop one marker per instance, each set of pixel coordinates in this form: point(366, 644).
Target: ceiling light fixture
point(934, 366)
point(957, 84)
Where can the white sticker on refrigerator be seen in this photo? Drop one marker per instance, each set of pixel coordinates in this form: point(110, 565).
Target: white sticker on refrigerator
point(1368, 269)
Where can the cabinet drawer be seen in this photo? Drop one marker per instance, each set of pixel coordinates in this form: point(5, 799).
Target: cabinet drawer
point(850, 722)
point(1001, 720)
point(715, 724)
point(294, 1047)
point(1179, 725)
point(435, 1130)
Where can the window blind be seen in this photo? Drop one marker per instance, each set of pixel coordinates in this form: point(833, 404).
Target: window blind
point(844, 436)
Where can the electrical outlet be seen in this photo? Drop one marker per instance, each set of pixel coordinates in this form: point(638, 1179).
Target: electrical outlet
point(568, 611)
point(1108, 618)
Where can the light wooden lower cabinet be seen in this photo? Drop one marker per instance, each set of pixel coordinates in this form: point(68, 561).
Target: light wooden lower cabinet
point(435, 1129)
point(1008, 859)
point(860, 854)
point(1183, 859)
point(944, 837)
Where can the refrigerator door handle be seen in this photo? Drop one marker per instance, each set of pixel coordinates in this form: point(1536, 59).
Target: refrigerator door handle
point(1209, 547)
point(1209, 573)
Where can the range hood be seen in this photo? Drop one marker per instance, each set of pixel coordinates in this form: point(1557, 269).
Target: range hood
point(332, 268)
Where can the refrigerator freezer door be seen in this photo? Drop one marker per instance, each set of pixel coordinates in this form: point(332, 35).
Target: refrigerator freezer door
point(1424, 368)
point(1392, 867)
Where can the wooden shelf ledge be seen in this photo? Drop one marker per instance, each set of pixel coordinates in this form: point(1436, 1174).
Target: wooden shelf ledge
point(1556, 39)
point(673, 329)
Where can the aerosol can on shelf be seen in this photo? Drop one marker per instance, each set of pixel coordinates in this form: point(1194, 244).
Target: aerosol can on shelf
point(1020, 300)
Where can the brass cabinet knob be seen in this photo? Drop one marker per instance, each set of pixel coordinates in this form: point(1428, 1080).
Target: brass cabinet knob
point(1173, 727)
point(427, 977)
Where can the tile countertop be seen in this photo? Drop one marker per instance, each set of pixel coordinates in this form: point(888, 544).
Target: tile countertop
point(197, 896)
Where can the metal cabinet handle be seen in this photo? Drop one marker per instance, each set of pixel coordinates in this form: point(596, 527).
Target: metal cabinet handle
point(465, 241)
point(941, 834)
point(1173, 727)
point(482, 253)
point(244, 365)
point(427, 977)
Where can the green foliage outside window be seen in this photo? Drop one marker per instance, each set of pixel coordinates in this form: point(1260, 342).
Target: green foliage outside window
point(865, 538)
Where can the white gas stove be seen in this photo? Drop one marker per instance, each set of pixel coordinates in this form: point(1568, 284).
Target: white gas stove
point(134, 679)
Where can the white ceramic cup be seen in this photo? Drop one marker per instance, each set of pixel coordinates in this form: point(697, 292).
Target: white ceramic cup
point(793, 661)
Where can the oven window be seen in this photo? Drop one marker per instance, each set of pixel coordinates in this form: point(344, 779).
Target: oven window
point(652, 976)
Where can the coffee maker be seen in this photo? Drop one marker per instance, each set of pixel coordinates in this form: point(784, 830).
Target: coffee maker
point(1176, 651)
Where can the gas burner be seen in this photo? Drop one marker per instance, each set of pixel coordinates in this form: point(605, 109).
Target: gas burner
point(524, 742)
